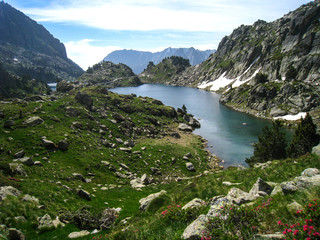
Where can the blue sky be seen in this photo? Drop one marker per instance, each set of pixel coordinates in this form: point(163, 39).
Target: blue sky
point(92, 29)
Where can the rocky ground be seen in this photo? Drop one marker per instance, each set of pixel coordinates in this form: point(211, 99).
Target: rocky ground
point(64, 151)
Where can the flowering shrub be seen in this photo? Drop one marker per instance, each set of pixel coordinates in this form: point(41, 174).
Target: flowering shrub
point(176, 213)
point(240, 223)
point(100, 237)
point(308, 229)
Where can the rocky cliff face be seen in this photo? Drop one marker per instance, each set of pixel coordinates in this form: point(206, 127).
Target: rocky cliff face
point(27, 48)
point(286, 52)
point(138, 60)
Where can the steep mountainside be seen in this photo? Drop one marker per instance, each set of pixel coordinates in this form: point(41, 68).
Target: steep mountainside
point(19, 87)
point(27, 48)
point(110, 75)
point(138, 60)
point(285, 52)
point(163, 71)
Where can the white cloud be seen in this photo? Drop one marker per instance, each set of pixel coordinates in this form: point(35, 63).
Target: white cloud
point(85, 54)
point(183, 23)
point(204, 15)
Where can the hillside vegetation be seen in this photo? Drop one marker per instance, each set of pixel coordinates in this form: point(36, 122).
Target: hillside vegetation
point(163, 71)
point(109, 75)
point(92, 140)
point(20, 87)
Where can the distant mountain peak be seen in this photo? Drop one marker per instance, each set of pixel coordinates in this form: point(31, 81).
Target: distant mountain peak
point(138, 60)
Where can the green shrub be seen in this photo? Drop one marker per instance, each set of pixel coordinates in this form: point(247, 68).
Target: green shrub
point(174, 213)
point(158, 203)
point(272, 145)
point(291, 73)
point(261, 78)
point(240, 222)
point(6, 181)
point(304, 138)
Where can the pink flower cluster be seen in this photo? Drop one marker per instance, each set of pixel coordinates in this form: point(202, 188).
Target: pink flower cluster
point(170, 208)
point(308, 230)
point(205, 236)
point(264, 205)
point(100, 237)
point(163, 213)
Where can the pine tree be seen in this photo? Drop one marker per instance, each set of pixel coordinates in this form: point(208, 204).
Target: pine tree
point(304, 138)
point(271, 145)
point(184, 109)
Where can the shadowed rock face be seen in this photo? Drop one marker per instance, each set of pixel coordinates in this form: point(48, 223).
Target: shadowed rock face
point(18, 29)
point(27, 48)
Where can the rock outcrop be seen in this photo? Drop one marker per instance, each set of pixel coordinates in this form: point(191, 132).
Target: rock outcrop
point(8, 191)
point(145, 202)
point(197, 202)
point(45, 223)
point(163, 71)
point(111, 75)
point(196, 229)
point(15, 234)
point(309, 178)
point(79, 234)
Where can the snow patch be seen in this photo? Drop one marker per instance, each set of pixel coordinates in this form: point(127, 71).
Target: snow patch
point(292, 117)
point(222, 81)
point(204, 85)
point(239, 82)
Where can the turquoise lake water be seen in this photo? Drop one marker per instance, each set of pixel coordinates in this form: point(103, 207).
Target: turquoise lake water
point(230, 133)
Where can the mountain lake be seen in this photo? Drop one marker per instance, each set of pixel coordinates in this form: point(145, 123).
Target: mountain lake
point(230, 133)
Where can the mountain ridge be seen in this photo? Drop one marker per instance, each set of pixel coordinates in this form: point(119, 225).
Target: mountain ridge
point(138, 60)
